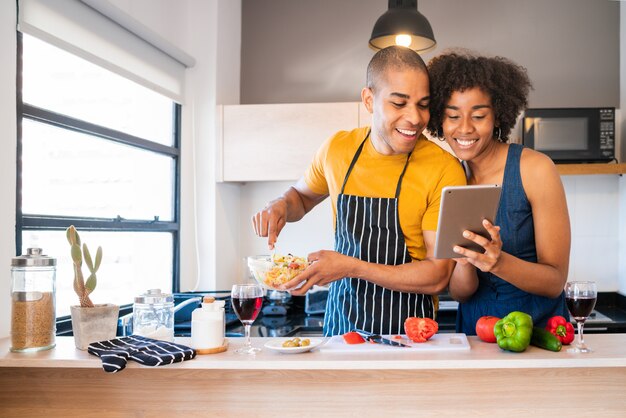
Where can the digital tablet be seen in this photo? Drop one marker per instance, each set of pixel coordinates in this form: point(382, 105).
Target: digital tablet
point(464, 208)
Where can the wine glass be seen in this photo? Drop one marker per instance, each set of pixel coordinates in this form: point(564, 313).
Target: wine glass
point(581, 298)
point(247, 300)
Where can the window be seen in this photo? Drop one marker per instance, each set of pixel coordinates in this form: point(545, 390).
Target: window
point(100, 152)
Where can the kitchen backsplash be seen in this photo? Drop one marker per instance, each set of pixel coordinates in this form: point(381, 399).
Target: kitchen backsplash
point(594, 208)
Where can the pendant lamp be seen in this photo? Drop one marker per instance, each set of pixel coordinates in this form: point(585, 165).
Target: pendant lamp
point(403, 25)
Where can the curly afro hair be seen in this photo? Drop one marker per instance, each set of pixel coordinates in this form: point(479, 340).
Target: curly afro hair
point(503, 80)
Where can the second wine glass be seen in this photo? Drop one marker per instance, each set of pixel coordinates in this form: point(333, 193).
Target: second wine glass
point(581, 299)
point(247, 300)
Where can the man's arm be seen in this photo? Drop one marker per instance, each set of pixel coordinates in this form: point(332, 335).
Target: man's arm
point(428, 276)
point(296, 202)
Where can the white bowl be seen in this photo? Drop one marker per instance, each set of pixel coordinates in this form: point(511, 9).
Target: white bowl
point(277, 345)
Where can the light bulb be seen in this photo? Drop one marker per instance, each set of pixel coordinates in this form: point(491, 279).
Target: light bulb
point(403, 40)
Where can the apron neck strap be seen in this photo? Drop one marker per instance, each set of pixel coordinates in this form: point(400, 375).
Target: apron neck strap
point(406, 164)
point(353, 162)
point(356, 157)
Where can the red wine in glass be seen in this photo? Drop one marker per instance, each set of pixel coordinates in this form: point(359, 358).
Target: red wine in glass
point(247, 309)
point(580, 308)
point(247, 300)
point(581, 299)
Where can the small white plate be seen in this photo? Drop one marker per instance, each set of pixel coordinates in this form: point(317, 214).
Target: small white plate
point(277, 345)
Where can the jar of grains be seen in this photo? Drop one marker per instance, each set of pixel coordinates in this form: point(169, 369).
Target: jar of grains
point(33, 319)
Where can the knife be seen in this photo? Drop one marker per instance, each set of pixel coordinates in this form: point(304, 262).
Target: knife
point(375, 338)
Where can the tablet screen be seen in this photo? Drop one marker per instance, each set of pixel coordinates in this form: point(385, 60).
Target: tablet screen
point(464, 208)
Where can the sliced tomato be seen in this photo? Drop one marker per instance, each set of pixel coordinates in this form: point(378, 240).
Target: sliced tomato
point(420, 330)
point(353, 338)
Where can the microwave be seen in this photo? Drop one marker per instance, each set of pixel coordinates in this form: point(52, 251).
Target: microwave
point(571, 135)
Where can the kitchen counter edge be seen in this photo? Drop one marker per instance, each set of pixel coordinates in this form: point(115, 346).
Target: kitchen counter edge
point(609, 351)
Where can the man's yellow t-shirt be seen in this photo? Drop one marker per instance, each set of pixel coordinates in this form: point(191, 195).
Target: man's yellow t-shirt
point(430, 169)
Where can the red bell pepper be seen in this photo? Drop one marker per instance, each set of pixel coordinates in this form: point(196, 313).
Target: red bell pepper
point(561, 328)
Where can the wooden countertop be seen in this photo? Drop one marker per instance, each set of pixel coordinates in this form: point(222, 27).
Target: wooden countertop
point(483, 381)
point(609, 351)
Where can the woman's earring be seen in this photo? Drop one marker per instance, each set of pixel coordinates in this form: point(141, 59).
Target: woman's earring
point(440, 135)
point(499, 134)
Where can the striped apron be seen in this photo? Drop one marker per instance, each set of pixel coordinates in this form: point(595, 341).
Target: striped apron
point(368, 228)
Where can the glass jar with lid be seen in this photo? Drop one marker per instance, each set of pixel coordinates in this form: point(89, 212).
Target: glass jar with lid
point(153, 315)
point(33, 301)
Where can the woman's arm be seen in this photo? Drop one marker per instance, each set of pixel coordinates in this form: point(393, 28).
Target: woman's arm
point(544, 189)
point(545, 193)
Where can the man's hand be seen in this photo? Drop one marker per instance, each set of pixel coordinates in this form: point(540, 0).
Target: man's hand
point(296, 202)
point(326, 267)
point(270, 221)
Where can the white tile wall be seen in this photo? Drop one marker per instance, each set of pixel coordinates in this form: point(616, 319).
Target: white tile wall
point(593, 203)
point(314, 232)
point(621, 258)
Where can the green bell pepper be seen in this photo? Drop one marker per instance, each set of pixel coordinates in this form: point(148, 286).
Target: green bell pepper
point(513, 332)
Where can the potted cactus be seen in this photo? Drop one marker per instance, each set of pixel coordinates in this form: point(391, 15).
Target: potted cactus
point(90, 322)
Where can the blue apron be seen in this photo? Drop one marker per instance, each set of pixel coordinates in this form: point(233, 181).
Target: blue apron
point(368, 228)
point(497, 297)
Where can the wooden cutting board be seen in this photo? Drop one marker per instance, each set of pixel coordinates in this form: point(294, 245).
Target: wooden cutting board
point(438, 342)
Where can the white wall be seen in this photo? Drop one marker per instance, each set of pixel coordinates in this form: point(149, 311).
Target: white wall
point(314, 232)
point(597, 204)
point(8, 142)
point(209, 30)
point(621, 228)
point(216, 217)
point(622, 154)
point(594, 210)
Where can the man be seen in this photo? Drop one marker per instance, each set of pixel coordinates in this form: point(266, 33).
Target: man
point(385, 185)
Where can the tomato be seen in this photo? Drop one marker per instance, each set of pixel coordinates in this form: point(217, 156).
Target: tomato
point(484, 328)
point(353, 338)
point(419, 330)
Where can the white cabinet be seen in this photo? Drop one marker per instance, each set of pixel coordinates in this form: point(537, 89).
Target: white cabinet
point(276, 142)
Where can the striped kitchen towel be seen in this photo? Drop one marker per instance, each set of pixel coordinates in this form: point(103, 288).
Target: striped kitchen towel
point(148, 351)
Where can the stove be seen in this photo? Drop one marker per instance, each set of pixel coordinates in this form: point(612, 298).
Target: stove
point(596, 317)
point(281, 315)
point(286, 317)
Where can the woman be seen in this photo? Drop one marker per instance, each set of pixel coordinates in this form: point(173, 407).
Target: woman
point(474, 103)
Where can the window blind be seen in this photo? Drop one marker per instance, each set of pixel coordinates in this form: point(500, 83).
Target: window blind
point(110, 38)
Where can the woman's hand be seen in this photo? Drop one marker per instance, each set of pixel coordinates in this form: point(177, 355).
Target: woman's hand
point(493, 248)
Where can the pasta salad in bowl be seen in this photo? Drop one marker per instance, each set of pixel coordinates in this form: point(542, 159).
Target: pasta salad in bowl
point(273, 271)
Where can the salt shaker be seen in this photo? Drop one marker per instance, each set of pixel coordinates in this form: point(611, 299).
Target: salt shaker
point(33, 315)
point(207, 325)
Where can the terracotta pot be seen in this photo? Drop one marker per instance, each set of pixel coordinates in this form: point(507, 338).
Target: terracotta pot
point(94, 324)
